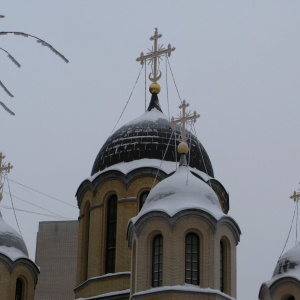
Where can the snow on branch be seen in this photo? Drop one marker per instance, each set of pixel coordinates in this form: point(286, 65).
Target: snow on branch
point(42, 42)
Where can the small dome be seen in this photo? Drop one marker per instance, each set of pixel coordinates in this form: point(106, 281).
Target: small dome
point(148, 137)
point(182, 191)
point(10, 238)
point(288, 264)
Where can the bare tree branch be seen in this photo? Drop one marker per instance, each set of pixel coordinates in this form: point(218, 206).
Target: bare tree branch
point(7, 109)
point(42, 42)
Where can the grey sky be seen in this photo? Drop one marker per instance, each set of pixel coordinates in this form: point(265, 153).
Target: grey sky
point(236, 62)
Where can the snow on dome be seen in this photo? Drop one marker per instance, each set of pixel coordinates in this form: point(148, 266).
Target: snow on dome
point(11, 242)
point(181, 191)
point(149, 137)
point(152, 115)
point(288, 265)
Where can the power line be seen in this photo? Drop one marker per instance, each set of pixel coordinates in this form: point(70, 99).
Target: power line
point(44, 194)
point(16, 197)
point(32, 212)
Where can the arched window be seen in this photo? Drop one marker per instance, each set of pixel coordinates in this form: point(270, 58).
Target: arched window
point(222, 266)
point(157, 261)
point(111, 234)
point(85, 240)
point(192, 259)
point(225, 269)
point(143, 198)
point(19, 289)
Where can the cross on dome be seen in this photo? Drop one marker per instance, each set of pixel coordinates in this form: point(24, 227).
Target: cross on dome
point(295, 196)
point(184, 117)
point(154, 55)
point(4, 168)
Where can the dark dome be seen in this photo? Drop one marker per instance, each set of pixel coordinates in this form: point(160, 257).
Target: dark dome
point(11, 238)
point(148, 137)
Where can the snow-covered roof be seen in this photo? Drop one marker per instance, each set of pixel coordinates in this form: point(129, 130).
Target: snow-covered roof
point(288, 265)
point(166, 166)
point(11, 242)
point(181, 191)
point(149, 136)
point(12, 253)
point(152, 115)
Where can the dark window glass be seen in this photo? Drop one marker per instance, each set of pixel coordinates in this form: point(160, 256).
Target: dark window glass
point(19, 290)
point(157, 261)
point(222, 266)
point(192, 259)
point(111, 234)
point(86, 234)
point(143, 198)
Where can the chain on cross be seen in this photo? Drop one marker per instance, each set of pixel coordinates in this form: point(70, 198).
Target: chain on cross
point(154, 55)
point(184, 117)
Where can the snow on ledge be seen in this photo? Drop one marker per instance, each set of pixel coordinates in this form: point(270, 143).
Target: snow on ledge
point(105, 295)
point(185, 288)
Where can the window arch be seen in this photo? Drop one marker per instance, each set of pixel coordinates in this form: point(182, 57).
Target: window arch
point(142, 199)
point(157, 261)
point(192, 266)
point(111, 234)
point(85, 240)
point(19, 295)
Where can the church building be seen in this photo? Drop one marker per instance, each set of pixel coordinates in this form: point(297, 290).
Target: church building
point(149, 226)
point(153, 222)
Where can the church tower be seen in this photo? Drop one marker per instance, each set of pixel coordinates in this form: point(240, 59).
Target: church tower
point(285, 282)
point(18, 273)
point(116, 261)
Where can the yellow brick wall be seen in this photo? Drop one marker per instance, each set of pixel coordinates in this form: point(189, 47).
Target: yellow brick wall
point(8, 282)
point(128, 207)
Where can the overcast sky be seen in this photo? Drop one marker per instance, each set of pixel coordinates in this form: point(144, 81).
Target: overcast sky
point(236, 62)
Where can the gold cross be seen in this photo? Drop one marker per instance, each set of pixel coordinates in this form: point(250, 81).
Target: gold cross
point(154, 55)
point(295, 196)
point(183, 118)
point(4, 168)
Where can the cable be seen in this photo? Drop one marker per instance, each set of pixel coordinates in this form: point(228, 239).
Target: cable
point(167, 88)
point(12, 203)
point(31, 212)
point(174, 80)
point(289, 230)
point(35, 205)
point(201, 153)
point(127, 101)
point(145, 87)
point(42, 193)
point(297, 222)
point(162, 159)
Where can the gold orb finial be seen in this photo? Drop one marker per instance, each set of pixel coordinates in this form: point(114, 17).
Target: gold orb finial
point(154, 88)
point(183, 148)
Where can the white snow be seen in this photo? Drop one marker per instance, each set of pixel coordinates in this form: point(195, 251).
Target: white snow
point(288, 265)
point(105, 295)
point(152, 115)
point(5, 228)
point(186, 287)
point(165, 166)
point(12, 253)
point(181, 191)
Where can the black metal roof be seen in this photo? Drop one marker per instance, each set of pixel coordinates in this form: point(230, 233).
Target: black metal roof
point(149, 139)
